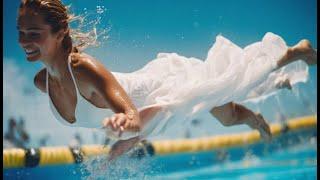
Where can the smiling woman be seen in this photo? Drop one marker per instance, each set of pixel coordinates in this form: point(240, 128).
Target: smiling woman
point(43, 25)
point(74, 82)
point(169, 87)
point(32, 28)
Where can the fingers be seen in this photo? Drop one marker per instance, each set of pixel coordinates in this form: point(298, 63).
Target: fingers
point(112, 123)
point(116, 123)
point(120, 131)
point(132, 126)
point(106, 123)
point(121, 122)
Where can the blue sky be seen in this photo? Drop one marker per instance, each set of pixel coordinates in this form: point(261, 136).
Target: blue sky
point(140, 29)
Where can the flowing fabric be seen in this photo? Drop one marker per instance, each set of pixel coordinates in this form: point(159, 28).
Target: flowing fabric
point(185, 87)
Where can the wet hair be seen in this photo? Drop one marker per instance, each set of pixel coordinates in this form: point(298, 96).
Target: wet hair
point(57, 16)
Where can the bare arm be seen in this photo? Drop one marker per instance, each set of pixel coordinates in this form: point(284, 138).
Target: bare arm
point(104, 83)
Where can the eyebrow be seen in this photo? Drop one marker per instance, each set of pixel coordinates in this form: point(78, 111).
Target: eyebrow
point(31, 28)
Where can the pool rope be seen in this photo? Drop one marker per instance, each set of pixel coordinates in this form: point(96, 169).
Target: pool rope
point(17, 157)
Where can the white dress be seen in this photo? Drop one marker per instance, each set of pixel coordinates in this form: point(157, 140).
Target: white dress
point(186, 87)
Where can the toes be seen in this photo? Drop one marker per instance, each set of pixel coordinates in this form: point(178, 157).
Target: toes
point(312, 58)
point(263, 128)
point(266, 130)
point(287, 84)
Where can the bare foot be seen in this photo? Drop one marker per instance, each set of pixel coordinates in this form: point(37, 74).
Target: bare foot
point(284, 84)
point(303, 50)
point(259, 123)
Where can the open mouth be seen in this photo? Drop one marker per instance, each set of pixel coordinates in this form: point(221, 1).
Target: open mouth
point(31, 53)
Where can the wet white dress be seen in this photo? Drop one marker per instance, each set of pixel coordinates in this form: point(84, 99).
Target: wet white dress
point(185, 87)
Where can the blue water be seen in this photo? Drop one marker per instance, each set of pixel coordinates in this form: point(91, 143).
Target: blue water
point(291, 156)
point(138, 31)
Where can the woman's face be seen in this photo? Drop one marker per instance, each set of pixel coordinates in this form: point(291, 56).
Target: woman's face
point(35, 36)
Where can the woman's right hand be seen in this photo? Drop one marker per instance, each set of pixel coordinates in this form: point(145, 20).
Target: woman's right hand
point(121, 122)
point(131, 121)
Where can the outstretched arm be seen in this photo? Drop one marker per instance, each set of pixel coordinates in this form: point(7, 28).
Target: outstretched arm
point(103, 83)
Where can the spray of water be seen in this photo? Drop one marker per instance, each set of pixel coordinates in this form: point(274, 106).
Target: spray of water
point(90, 28)
point(124, 167)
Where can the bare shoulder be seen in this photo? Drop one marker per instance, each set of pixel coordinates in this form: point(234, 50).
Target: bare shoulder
point(88, 68)
point(40, 80)
point(84, 63)
point(82, 60)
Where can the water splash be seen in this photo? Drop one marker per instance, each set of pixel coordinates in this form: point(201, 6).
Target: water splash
point(124, 167)
point(100, 9)
point(90, 28)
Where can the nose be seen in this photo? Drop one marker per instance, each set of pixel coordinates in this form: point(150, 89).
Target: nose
point(23, 40)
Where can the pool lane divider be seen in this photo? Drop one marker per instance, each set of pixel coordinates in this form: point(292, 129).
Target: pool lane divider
point(17, 157)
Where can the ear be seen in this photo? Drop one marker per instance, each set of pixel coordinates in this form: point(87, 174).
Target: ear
point(61, 34)
point(148, 113)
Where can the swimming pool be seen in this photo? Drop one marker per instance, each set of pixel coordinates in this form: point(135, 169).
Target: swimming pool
point(291, 155)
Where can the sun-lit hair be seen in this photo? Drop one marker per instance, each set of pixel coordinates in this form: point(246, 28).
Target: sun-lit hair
point(57, 16)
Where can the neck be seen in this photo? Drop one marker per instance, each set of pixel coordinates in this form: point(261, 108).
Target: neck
point(57, 65)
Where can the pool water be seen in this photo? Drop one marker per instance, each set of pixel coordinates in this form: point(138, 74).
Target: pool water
point(288, 164)
point(290, 156)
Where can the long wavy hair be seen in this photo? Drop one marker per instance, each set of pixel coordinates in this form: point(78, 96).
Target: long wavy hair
point(57, 16)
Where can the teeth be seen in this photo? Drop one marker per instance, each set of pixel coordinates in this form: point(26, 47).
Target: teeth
point(31, 51)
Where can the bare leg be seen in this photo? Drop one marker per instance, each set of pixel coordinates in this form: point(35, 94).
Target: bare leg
point(232, 114)
point(301, 51)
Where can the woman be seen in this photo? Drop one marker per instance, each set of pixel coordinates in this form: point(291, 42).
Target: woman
point(170, 87)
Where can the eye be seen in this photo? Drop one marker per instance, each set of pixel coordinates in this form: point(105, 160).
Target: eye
point(34, 35)
point(21, 33)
